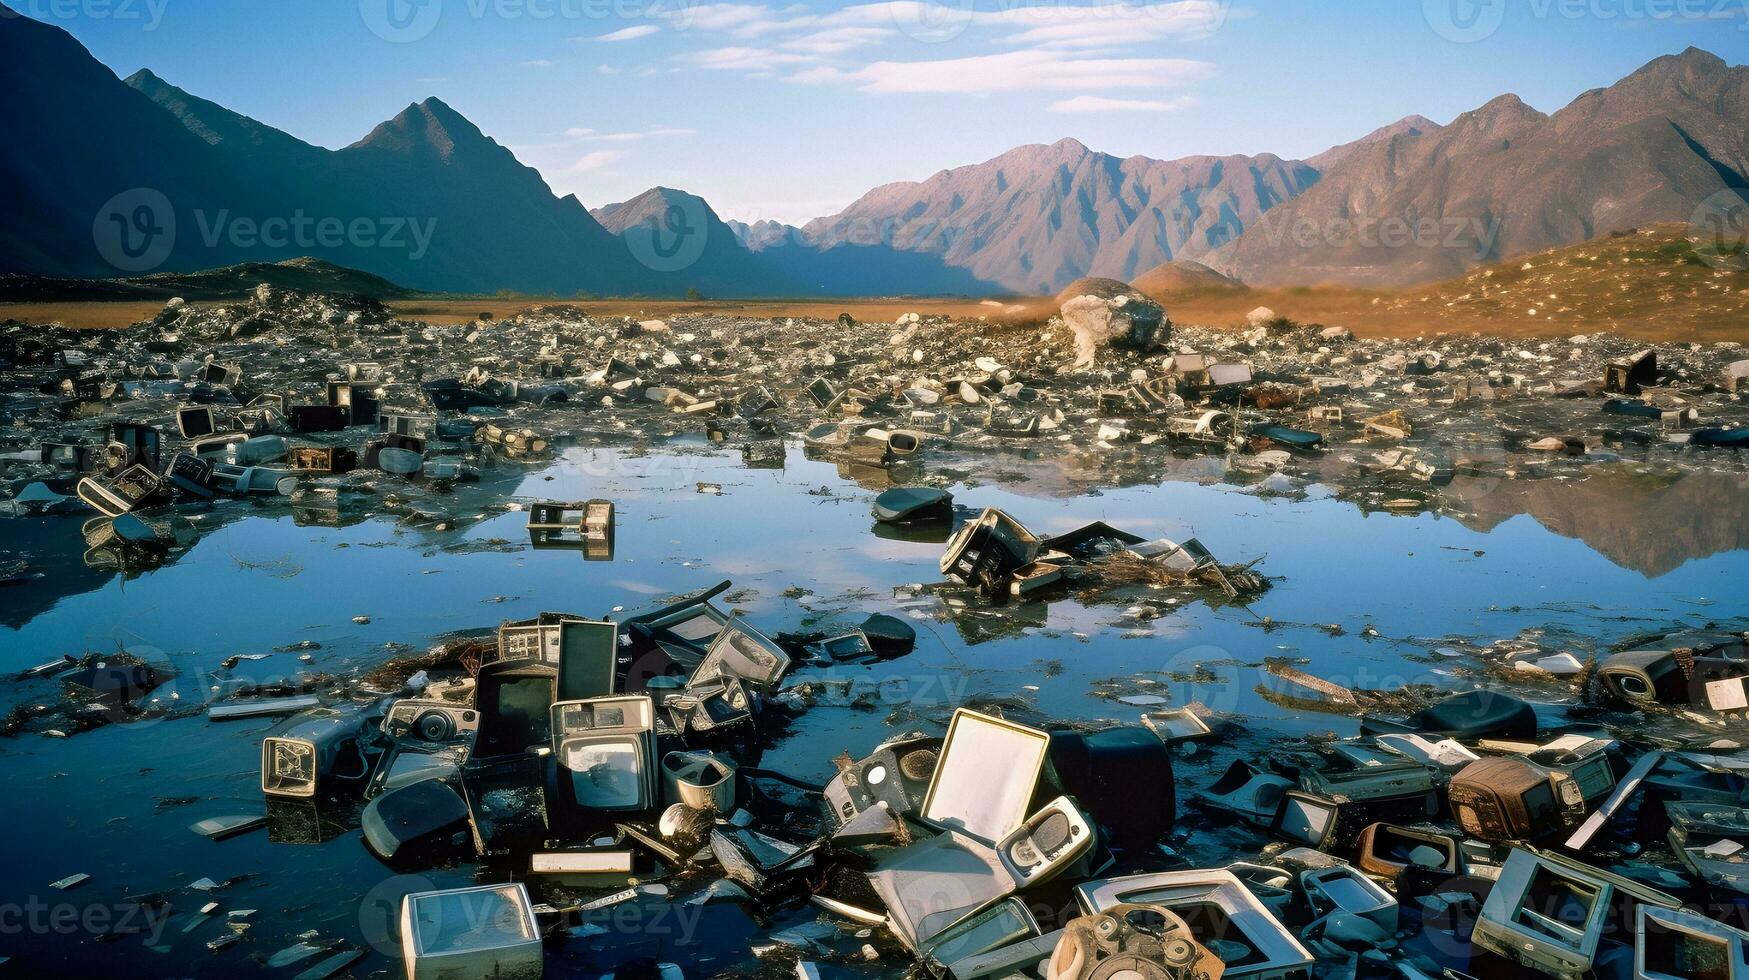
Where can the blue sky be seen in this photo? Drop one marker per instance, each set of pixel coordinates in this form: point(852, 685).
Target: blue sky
point(793, 110)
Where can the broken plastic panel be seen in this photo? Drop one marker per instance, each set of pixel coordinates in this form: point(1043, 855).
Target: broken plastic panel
point(986, 777)
point(1222, 914)
point(700, 780)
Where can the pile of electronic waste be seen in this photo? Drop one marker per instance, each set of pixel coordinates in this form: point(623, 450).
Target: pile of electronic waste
point(996, 554)
point(590, 760)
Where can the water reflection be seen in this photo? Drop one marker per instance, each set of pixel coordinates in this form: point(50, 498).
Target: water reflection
point(1360, 597)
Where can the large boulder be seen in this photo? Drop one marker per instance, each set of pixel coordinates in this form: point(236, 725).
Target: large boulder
point(1103, 312)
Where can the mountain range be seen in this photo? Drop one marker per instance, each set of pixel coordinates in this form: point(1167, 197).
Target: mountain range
point(108, 177)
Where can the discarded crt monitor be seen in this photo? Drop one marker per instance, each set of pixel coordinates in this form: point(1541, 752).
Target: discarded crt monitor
point(744, 653)
point(711, 704)
point(195, 422)
point(514, 699)
point(606, 750)
point(1123, 776)
point(588, 659)
point(141, 444)
point(1644, 678)
point(989, 550)
point(467, 933)
point(1504, 799)
point(986, 776)
point(418, 817)
point(1627, 376)
point(1677, 944)
point(1385, 850)
point(136, 487)
point(191, 475)
point(323, 459)
point(532, 639)
point(1223, 915)
point(507, 800)
point(308, 751)
point(1555, 915)
point(357, 399)
point(1308, 819)
point(996, 928)
point(1344, 889)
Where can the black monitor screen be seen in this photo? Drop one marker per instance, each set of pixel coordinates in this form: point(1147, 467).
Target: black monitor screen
point(522, 707)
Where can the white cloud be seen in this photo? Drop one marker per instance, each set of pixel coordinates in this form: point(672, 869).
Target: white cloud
point(1088, 24)
point(1089, 46)
point(838, 40)
point(632, 137)
point(745, 59)
point(1099, 103)
point(1015, 71)
point(594, 162)
point(606, 70)
point(1108, 24)
point(537, 63)
point(743, 20)
point(630, 33)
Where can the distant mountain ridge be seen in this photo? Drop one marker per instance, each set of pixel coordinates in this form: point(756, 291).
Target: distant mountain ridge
point(1505, 180)
point(428, 200)
point(1038, 217)
point(425, 199)
point(229, 282)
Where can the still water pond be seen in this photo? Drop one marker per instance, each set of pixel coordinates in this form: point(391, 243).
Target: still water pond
point(1588, 561)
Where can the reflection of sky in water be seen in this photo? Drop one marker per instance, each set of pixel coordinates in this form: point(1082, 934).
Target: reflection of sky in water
point(87, 805)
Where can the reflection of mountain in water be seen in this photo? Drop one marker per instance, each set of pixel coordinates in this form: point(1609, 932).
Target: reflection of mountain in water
point(1649, 521)
point(53, 548)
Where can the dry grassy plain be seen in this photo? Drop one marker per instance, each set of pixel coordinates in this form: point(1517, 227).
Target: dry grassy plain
point(1652, 285)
